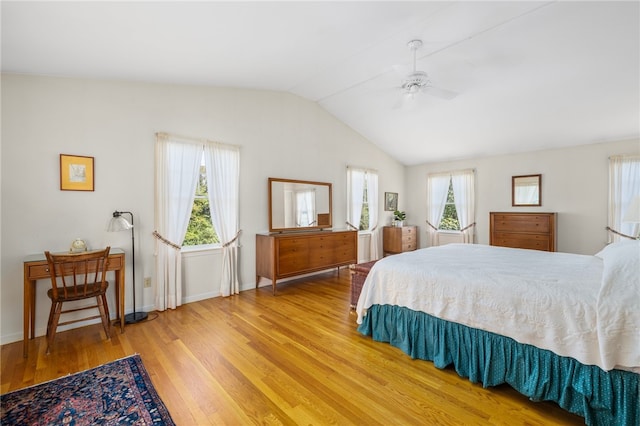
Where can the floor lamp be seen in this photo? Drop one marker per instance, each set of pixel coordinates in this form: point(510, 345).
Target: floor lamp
point(119, 223)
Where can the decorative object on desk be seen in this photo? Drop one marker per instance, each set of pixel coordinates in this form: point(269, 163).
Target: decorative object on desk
point(78, 246)
point(119, 223)
point(118, 392)
point(390, 201)
point(76, 173)
point(398, 218)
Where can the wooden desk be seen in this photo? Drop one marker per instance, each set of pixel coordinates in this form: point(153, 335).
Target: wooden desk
point(36, 268)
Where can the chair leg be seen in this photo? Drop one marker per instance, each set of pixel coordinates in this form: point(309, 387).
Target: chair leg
point(103, 307)
point(54, 326)
point(50, 320)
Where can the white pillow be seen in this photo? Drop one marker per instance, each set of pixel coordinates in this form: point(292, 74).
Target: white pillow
point(619, 248)
point(618, 305)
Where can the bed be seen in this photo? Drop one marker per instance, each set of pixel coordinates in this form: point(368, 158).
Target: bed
point(555, 326)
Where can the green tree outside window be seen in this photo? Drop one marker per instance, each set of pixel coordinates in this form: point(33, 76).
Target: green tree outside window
point(449, 221)
point(200, 230)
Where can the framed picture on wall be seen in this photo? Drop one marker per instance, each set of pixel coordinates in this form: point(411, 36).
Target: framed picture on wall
point(391, 201)
point(76, 173)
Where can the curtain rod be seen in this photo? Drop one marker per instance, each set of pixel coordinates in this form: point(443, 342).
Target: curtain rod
point(192, 139)
point(450, 172)
point(624, 157)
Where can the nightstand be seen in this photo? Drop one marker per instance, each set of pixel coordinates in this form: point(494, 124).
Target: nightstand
point(397, 239)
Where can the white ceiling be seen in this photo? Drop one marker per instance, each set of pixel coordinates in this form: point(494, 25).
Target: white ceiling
point(529, 75)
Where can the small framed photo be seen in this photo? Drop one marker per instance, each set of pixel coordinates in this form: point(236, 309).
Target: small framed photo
point(391, 201)
point(76, 173)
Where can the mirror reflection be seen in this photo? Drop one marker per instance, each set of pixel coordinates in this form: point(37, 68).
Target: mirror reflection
point(525, 190)
point(298, 204)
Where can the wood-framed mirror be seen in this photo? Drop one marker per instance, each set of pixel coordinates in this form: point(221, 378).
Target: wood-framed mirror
point(526, 190)
point(296, 205)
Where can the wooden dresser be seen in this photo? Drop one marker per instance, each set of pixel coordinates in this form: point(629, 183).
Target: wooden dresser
point(535, 231)
point(289, 254)
point(397, 239)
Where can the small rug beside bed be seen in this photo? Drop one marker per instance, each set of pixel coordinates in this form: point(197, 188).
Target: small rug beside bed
point(116, 393)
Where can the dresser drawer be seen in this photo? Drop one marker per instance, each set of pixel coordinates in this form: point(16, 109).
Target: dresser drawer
point(521, 223)
point(293, 255)
point(408, 231)
point(408, 245)
point(524, 241)
point(288, 246)
point(38, 271)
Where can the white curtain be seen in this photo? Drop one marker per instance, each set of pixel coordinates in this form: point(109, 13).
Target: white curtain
point(372, 192)
point(437, 189)
point(222, 164)
point(357, 180)
point(463, 185)
point(624, 185)
point(355, 195)
point(177, 169)
point(306, 208)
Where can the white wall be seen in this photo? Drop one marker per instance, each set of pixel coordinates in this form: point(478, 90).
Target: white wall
point(574, 184)
point(281, 135)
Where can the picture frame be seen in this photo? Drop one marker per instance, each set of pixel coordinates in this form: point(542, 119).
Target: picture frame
point(526, 190)
point(390, 201)
point(76, 173)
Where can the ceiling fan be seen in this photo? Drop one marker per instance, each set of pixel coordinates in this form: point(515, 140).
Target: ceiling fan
point(417, 82)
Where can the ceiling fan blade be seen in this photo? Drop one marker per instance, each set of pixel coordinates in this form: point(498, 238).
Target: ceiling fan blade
point(408, 101)
point(441, 93)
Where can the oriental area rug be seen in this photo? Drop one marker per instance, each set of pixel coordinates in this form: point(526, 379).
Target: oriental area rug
point(116, 393)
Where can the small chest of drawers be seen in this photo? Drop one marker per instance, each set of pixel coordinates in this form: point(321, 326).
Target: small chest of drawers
point(536, 231)
point(396, 239)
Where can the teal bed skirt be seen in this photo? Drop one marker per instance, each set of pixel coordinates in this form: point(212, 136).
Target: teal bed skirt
point(602, 398)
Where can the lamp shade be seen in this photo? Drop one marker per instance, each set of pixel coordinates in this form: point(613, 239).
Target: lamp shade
point(118, 223)
point(632, 214)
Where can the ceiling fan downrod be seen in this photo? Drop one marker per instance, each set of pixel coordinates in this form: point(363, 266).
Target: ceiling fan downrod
point(417, 80)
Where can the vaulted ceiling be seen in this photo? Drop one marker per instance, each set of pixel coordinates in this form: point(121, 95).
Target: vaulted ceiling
point(526, 75)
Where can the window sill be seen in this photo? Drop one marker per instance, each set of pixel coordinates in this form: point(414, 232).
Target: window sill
point(448, 231)
point(203, 249)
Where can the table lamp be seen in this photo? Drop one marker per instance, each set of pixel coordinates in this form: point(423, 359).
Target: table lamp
point(119, 223)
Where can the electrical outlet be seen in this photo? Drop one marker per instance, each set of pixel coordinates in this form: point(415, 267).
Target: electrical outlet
point(147, 282)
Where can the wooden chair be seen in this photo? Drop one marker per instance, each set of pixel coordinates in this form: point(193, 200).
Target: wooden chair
point(76, 277)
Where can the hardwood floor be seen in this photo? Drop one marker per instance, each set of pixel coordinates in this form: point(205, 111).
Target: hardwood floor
point(293, 358)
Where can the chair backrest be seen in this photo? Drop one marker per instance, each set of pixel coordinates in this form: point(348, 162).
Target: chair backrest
point(78, 274)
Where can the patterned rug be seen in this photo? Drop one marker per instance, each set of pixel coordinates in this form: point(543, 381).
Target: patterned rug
point(113, 394)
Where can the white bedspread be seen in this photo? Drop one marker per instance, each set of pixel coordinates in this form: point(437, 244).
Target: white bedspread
point(548, 300)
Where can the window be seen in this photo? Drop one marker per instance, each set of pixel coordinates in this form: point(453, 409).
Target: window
point(180, 176)
point(361, 208)
point(200, 230)
point(624, 186)
point(451, 204)
point(449, 221)
point(364, 217)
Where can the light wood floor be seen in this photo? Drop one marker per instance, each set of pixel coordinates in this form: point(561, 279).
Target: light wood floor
point(295, 358)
